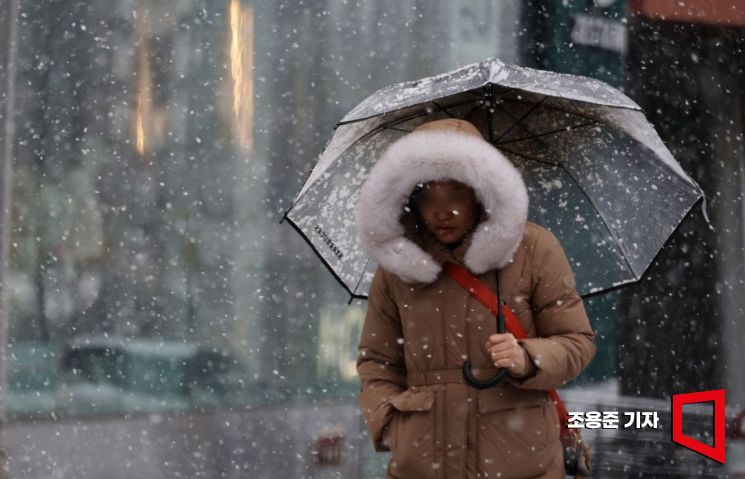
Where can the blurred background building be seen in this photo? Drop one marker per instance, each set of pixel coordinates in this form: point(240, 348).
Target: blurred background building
point(161, 323)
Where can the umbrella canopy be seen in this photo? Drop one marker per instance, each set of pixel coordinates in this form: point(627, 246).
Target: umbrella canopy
point(598, 175)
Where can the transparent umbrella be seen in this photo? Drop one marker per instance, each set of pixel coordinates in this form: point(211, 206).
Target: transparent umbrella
point(598, 175)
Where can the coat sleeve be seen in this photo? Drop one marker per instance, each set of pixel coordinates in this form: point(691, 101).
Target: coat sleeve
point(565, 342)
point(380, 361)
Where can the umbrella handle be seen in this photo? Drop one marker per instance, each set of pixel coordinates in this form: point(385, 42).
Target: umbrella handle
point(481, 383)
point(494, 380)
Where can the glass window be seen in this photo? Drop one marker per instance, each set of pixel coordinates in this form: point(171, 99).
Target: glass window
point(157, 144)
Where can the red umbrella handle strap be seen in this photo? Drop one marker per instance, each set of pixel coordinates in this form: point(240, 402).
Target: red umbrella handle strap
point(486, 296)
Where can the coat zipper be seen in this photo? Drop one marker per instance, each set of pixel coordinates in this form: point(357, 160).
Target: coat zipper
point(468, 389)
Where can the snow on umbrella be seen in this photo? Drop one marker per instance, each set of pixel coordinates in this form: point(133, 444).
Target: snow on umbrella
point(598, 175)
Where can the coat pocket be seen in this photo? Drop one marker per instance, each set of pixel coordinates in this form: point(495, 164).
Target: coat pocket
point(507, 396)
point(513, 432)
point(412, 434)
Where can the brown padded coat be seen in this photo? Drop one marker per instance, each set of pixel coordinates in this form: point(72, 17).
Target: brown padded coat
point(415, 338)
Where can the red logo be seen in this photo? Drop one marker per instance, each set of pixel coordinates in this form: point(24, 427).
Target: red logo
point(716, 452)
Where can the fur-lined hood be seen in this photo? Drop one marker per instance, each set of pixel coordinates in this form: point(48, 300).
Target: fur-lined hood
point(439, 150)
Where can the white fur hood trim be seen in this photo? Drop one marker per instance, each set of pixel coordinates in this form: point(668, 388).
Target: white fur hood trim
point(429, 155)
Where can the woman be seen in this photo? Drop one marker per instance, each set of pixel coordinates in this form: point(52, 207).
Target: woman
point(443, 193)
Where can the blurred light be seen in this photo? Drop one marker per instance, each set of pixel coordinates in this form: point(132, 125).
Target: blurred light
point(143, 86)
point(241, 71)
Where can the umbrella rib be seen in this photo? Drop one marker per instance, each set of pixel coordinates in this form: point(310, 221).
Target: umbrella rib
point(610, 230)
point(471, 111)
point(323, 260)
point(384, 126)
point(561, 165)
point(310, 171)
point(559, 130)
point(592, 203)
point(443, 109)
point(391, 124)
point(514, 118)
point(520, 120)
point(585, 116)
point(403, 108)
point(600, 291)
point(397, 129)
point(591, 121)
point(528, 157)
point(553, 107)
point(359, 281)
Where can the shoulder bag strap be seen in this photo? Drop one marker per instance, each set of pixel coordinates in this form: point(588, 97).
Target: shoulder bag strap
point(487, 297)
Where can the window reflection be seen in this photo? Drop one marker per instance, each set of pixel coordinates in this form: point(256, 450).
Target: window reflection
point(156, 144)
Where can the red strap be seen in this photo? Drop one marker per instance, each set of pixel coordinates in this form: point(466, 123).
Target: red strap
point(487, 297)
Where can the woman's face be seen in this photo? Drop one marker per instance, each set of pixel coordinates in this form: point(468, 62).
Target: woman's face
point(448, 208)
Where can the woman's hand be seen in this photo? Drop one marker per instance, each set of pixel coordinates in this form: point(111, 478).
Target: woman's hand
point(506, 352)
